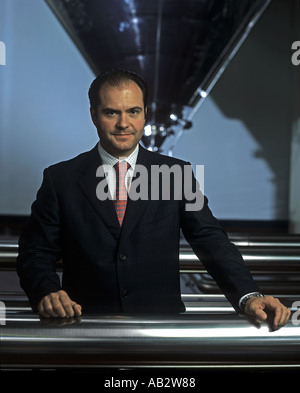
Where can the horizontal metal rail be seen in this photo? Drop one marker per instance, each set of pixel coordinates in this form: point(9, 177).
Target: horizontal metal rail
point(259, 259)
point(184, 341)
point(276, 268)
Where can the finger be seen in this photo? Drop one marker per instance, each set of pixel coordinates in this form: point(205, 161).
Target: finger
point(71, 308)
point(260, 315)
point(273, 305)
point(282, 315)
point(42, 311)
point(67, 304)
point(277, 317)
point(77, 309)
point(45, 307)
point(57, 306)
point(256, 307)
point(289, 313)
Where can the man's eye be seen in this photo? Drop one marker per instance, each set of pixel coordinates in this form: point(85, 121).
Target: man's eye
point(134, 111)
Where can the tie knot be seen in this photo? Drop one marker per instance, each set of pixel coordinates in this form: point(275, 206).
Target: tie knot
point(122, 167)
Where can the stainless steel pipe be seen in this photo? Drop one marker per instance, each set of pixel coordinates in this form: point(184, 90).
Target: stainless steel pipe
point(276, 268)
point(258, 259)
point(184, 341)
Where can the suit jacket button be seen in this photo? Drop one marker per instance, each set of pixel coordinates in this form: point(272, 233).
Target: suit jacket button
point(125, 293)
point(123, 257)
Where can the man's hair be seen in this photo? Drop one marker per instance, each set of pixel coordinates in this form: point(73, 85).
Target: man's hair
point(115, 77)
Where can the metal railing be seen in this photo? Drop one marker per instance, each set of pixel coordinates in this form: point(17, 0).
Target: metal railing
point(274, 261)
point(204, 341)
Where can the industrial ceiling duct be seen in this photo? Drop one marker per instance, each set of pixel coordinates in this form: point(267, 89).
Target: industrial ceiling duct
point(180, 47)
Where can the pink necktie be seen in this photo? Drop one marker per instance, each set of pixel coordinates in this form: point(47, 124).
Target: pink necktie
point(121, 191)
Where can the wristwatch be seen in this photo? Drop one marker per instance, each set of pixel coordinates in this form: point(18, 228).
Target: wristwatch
point(247, 297)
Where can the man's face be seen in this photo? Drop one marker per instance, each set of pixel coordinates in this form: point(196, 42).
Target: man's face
point(120, 118)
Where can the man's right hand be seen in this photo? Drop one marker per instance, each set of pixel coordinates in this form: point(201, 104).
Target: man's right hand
point(58, 304)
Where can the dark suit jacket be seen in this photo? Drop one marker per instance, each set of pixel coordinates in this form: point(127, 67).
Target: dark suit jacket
point(107, 269)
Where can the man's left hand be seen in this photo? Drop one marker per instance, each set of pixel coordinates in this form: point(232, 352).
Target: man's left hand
point(258, 307)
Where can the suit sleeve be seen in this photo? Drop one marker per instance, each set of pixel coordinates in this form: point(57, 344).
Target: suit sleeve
point(211, 245)
point(40, 246)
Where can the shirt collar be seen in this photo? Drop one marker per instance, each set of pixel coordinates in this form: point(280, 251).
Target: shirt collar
point(108, 159)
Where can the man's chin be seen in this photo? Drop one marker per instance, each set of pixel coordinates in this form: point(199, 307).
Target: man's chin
point(124, 149)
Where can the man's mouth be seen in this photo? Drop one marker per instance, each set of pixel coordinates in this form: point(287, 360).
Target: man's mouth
point(121, 134)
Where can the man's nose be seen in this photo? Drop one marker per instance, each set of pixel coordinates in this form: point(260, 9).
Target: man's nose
point(123, 121)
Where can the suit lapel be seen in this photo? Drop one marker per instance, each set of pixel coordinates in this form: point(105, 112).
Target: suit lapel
point(88, 182)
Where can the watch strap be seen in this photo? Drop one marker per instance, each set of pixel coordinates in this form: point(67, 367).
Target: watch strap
point(249, 296)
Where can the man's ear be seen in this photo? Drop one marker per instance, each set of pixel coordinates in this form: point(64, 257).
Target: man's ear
point(146, 109)
point(94, 116)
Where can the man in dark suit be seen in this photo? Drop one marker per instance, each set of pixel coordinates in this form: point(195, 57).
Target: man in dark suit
point(124, 264)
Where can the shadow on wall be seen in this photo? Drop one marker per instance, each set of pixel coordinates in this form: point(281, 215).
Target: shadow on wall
point(261, 93)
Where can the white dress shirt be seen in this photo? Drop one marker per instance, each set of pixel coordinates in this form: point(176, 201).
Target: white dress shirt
point(108, 162)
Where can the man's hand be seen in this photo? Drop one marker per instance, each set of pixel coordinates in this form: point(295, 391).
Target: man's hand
point(58, 304)
point(257, 308)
